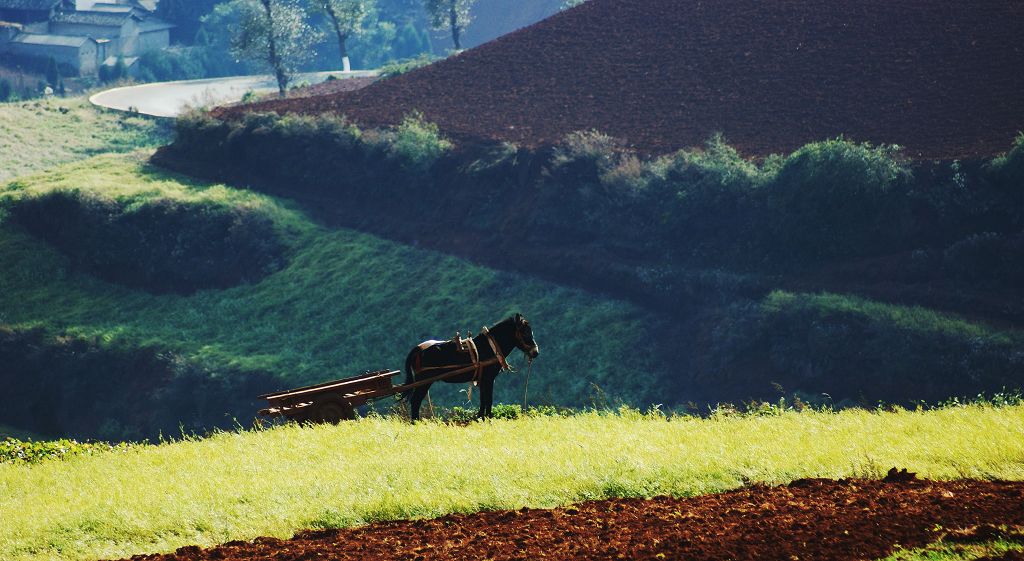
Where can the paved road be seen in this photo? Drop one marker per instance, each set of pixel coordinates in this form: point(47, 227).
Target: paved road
point(170, 99)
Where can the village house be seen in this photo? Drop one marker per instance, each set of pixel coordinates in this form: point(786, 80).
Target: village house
point(83, 36)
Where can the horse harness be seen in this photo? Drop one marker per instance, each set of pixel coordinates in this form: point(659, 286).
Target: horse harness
point(468, 345)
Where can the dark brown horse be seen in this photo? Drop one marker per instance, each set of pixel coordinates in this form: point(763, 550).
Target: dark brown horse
point(487, 351)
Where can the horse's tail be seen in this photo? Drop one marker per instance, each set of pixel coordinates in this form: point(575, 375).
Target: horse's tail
point(410, 374)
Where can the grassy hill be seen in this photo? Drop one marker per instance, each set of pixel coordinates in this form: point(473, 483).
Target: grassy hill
point(97, 346)
point(274, 482)
point(343, 303)
point(39, 134)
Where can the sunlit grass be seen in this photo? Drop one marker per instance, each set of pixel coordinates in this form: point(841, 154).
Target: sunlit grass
point(274, 482)
point(37, 135)
point(915, 318)
point(952, 551)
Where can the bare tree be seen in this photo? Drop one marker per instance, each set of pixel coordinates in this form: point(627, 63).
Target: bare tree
point(275, 34)
point(346, 17)
point(450, 14)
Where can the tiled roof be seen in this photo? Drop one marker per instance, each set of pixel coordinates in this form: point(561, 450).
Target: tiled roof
point(106, 19)
point(50, 40)
point(28, 4)
point(111, 8)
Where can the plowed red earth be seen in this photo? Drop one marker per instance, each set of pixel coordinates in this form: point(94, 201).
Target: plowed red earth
point(808, 519)
point(943, 78)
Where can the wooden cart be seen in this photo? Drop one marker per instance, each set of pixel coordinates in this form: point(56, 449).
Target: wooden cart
point(330, 402)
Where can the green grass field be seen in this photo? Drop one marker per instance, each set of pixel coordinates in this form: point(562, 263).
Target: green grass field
point(36, 135)
point(276, 481)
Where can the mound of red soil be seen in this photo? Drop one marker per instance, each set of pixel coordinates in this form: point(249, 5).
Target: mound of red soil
point(942, 78)
point(809, 519)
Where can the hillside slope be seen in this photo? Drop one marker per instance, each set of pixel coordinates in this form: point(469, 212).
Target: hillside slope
point(939, 77)
point(342, 303)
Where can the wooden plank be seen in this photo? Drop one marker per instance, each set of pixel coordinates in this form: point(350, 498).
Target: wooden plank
point(329, 386)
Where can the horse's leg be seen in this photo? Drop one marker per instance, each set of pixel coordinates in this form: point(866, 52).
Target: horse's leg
point(486, 396)
point(417, 399)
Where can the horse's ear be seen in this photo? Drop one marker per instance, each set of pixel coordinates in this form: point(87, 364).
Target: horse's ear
point(519, 318)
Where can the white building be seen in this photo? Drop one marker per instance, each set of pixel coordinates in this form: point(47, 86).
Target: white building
point(85, 34)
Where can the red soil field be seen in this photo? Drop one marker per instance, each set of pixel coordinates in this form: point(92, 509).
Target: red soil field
point(943, 78)
point(808, 519)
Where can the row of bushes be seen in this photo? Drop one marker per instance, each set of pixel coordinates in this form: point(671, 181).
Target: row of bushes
point(161, 245)
point(94, 387)
point(315, 153)
point(828, 201)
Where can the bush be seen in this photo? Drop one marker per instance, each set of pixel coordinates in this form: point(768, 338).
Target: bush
point(322, 152)
point(164, 65)
point(587, 155)
point(853, 350)
point(399, 67)
point(417, 144)
point(705, 203)
point(111, 389)
point(837, 199)
point(6, 89)
point(160, 245)
point(987, 258)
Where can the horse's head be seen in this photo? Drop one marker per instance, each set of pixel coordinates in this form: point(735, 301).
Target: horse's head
point(524, 337)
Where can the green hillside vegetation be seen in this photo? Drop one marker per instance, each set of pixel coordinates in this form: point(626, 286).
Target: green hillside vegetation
point(94, 358)
point(275, 482)
point(345, 303)
point(39, 134)
point(831, 270)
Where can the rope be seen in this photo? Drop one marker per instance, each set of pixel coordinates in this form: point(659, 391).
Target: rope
point(526, 388)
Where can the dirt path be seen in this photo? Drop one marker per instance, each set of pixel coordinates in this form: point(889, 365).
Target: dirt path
point(170, 99)
point(808, 519)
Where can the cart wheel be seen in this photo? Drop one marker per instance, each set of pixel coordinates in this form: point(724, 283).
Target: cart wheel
point(333, 411)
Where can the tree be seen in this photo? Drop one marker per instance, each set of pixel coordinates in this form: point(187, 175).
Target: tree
point(274, 34)
point(450, 14)
point(346, 18)
point(186, 15)
point(6, 89)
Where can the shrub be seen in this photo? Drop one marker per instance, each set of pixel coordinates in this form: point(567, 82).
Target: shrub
point(417, 144)
point(114, 389)
point(399, 67)
point(704, 202)
point(166, 65)
point(837, 198)
point(322, 152)
point(987, 258)
point(854, 350)
point(6, 89)
point(587, 154)
point(160, 245)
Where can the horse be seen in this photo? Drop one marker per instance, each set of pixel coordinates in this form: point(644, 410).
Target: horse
point(487, 352)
